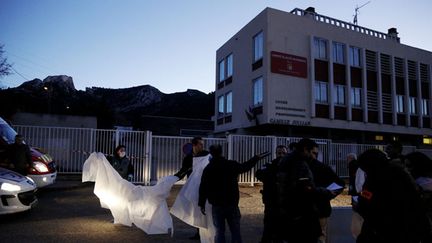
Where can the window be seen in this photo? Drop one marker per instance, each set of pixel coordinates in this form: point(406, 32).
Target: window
point(427, 140)
point(320, 92)
point(338, 52)
point(221, 108)
point(339, 95)
point(258, 46)
point(229, 61)
point(356, 97)
point(412, 105)
point(355, 56)
point(400, 104)
point(425, 107)
point(258, 91)
point(229, 102)
point(320, 48)
point(222, 70)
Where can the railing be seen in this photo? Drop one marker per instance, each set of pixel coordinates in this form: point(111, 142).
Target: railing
point(342, 24)
point(154, 157)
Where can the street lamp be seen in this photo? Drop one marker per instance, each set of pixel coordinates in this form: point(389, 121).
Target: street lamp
point(49, 98)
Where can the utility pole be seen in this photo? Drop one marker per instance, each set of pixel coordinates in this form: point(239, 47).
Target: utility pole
point(357, 12)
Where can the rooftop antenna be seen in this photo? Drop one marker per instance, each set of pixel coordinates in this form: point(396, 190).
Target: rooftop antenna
point(357, 11)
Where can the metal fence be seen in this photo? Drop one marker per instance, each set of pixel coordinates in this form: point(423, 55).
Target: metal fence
point(167, 154)
point(154, 157)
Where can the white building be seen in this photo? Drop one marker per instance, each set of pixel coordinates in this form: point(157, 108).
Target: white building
point(300, 73)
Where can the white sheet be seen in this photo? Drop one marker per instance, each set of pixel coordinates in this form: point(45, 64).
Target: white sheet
point(144, 206)
point(360, 180)
point(186, 204)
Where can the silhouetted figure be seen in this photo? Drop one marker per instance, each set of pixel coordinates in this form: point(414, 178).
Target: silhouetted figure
point(219, 185)
point(19, 156)
point(298, 217)
point(389, 203)
point(197, 151)
point(292, 146)
point(420, 167)
point(269, 192)
point(186, 169)
point(353, 166)
point(394, 152)
point(324, 176)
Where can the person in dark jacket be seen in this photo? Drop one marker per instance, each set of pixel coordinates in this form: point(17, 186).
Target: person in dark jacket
point(19, 156)
point(197, 151)
point(324, 176)
point(352, 170)
point(292, 146)
point(420, 167)
point(389, 202)
point(219, 185)
point(121, 163)
point(186, 169)
point(298, 219)
point(394, 151)
point(267, 176)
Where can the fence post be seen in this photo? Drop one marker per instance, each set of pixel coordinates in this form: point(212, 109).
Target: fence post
point(151, 170)
point(230, 146)
point(332, 160)
point(117, 138)
point(252, 171)
point(92, 140)
point(273, 148)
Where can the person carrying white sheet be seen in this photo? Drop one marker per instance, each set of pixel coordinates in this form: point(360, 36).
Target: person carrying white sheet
point(219, 185)
point(186, 169)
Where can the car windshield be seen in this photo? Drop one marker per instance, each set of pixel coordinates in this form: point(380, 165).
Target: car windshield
point(7, 133)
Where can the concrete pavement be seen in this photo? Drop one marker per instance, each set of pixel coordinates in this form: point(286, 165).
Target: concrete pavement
point(339, 228)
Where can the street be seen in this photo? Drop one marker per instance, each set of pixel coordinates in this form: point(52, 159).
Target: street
point(75, 215)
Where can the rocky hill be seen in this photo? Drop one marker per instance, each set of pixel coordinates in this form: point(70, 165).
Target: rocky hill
point(57, 95)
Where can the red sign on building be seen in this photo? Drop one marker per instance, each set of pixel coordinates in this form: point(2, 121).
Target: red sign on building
point(288, 64)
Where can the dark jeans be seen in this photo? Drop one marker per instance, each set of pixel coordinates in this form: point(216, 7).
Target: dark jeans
point(230, 214)
point(304, 229)
point(270, 217)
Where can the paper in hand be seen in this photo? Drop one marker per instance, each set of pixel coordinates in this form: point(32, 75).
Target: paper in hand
point(334, 187)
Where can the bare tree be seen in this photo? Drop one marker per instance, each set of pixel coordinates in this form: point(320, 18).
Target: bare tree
point(5, 67)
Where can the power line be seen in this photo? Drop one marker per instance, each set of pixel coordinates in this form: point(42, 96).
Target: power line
point(25, 79)
point(32, 62)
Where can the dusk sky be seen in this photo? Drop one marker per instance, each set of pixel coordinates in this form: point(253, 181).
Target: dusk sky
point(170, 45)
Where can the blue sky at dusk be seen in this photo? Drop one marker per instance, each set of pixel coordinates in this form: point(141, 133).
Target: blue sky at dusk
point(170, 45)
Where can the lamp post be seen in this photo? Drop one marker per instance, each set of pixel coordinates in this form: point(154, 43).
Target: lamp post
point(48, 90)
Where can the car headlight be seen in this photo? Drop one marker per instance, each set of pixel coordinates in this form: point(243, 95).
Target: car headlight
point(30, 179)
point(40, 167)
point(5, 186)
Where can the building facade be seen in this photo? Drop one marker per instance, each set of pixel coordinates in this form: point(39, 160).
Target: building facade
point(300, 73)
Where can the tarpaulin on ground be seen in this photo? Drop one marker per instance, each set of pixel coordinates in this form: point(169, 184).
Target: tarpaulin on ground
point(186, 204)
point(143, 206)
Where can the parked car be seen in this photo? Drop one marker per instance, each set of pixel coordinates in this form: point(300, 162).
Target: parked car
point(17, 192)
point(43, 172)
